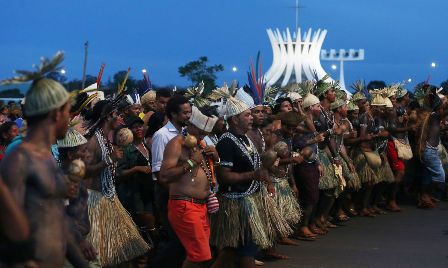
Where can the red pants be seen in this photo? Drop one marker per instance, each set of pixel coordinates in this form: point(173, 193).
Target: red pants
point(190, 222)
point(395, 163)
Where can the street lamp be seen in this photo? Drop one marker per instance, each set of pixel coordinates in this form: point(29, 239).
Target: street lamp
point(334, 67)
point(234, 69)
point(144, 70)
point(433, 64)
point(63, 71)
point(409, 80)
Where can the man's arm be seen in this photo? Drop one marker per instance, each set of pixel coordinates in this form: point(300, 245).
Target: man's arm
point(13, 196)
point(226, 176)
point(13, 221)
point(170, 169)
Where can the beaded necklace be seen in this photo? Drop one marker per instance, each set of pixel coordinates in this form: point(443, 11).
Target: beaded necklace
point(254, 159)
point(109, 173)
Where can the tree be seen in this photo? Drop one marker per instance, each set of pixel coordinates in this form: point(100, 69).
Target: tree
point(198, 71)
point(76, 84)
point(376, 84)
point(118, 78)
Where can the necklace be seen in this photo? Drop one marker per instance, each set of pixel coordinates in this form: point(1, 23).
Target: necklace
point(248, 146)
point(109, 173)
point(145, 154)
point(263, 142)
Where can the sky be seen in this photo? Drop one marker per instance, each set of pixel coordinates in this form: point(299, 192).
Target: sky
point(401, 38)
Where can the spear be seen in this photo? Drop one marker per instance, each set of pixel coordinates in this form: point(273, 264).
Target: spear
point(86, 48)
point(121, 87)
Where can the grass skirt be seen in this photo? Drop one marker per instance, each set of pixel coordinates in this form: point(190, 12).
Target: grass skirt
point(365, 172)
point(352, 178)
point(329, 179)
point(384, 173)
point(113, 234)
point(254, 217)
point(286, 202)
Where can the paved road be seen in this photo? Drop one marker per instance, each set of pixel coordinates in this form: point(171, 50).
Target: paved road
point(413, 238)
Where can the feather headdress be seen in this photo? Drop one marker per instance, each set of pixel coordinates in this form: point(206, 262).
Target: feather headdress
point(231, 105)
point(196, 95)
point(359, 87)
point(44, 94)
point(256, 84)
point(321, 86)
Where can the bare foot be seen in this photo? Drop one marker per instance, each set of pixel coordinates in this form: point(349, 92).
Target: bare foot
point(393, 207)
point(272, 254)
point(288, 242)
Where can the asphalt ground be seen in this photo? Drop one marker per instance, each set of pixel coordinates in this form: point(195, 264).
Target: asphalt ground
point(412, 238)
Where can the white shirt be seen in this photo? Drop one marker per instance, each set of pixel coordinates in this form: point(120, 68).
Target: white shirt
point(159, 142)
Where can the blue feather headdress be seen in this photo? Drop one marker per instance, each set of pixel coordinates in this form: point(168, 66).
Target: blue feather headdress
point(256, 83)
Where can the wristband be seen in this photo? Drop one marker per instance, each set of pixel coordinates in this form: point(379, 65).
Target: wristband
point(190, 163)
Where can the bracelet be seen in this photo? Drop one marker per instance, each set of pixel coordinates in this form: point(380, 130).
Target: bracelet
point(190, 163)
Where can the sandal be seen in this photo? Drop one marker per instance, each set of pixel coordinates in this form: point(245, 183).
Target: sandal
point(318, 231)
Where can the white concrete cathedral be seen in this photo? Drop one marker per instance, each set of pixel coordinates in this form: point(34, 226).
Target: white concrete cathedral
point(295, 58)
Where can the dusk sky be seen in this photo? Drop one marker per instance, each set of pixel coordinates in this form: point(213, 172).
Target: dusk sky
point(401, 38)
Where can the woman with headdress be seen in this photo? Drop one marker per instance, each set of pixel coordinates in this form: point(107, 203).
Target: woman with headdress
point(398, 147)
point(106, 213)
point(350, 142)
point(364, 156)
point(344, 129)
point(308, 172)
point(331, 183)
point(385, 176)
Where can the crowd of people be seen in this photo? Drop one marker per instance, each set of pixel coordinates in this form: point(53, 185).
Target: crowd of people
point(189, 179)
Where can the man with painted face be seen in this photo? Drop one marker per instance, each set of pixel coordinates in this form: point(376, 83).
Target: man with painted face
point(106, 213)
point(37, 184)
point(188, 170)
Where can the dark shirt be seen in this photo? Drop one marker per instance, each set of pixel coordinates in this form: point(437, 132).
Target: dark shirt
point(136, 189)
point(233, 157)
